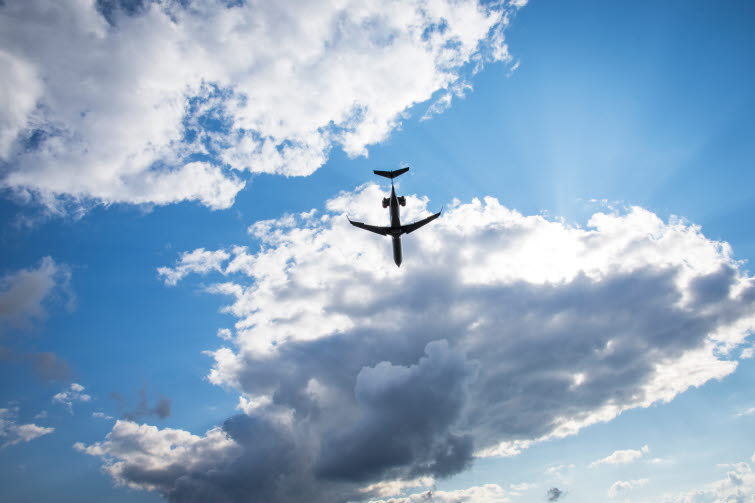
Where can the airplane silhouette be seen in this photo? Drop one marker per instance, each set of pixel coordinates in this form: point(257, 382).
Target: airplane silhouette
point(395, 230)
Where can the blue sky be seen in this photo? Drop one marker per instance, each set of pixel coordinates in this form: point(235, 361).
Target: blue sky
point(591, 108)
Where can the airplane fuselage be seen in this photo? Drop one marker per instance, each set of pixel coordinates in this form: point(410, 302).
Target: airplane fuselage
point(395, 230)
point(395, 227)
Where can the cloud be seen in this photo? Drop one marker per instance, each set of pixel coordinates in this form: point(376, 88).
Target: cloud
point(170, 101)
point(554, 494)
point(560, 471)
point(622, 457)
point(144, 452)
point(737, 486)
point(524, 486)
point(198, 261)
point(488, 493)
point(161, 409)
point(101, 415)
point(25, 293)
point(405, 417)
point(501, 330)
point(747, 412)
point(46, 365)
point(621, 486)
point(74, 393)
point(12, 433)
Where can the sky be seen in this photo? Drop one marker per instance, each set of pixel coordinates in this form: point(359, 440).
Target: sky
point(187, 316)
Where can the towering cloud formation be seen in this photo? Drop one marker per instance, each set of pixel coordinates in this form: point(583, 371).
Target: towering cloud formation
point(500, 331)
point(169, 100)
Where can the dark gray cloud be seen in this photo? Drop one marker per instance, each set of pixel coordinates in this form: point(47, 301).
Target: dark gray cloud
point(112, 9)
point(143, 410)
point(554, 494)
point(502, 330)
point(406, 418)
point(46, 365)
point(26, 294)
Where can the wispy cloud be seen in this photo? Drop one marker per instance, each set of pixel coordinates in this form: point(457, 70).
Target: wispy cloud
point(620, 487)
point(12, 433)
point(161, 409)
point(74, 393)
point(26, 294)
point(622, 457)
point(746, 412)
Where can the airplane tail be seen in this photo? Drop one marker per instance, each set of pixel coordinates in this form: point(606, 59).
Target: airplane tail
point(392, 174)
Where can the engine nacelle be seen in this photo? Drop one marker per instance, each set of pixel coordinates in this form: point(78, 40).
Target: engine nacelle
point(386, 202)
point(402, 201)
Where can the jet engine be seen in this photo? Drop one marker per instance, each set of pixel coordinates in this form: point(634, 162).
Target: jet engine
point(386, 202)
point(402, 201)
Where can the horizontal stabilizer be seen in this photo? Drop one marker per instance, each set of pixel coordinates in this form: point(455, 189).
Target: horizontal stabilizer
point(392, 174)
point(406, 229)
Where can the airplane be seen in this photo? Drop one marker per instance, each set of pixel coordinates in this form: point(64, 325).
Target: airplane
point(395, 230)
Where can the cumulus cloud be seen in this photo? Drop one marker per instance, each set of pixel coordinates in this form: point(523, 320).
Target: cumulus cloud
point(500, 331)
point(25, 293)
point(622, 457)
point(74, 393)
point(737, 486)
point(12, 433)
point(141, 451)
point(620, 487)
point(171, 100)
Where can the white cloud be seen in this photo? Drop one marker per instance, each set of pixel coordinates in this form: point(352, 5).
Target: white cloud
point(74, 393)
point(225, 334)
point(388, 488)
point(12, 433)
point(476, 339)
point(622, 457)
point(168, 102)
point(131, 448)
point(747, 412)
point(488, 493)
point(518, 489)
point(101, 415)
point(25, 293)
point(620, 487)
point(562, 474)
point(738, 486)
point(199, 261)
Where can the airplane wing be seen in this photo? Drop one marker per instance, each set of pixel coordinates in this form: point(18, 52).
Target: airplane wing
point(371, 228)
point(406, 229)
